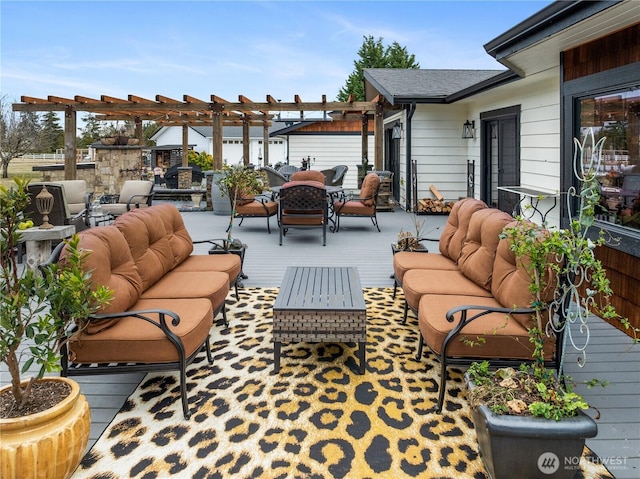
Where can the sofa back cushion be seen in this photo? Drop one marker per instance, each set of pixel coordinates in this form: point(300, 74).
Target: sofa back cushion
point(111, 265)
point(148, 243)
point(479, 249)
point(511, 279)
point(455, 231)
point(176, 232)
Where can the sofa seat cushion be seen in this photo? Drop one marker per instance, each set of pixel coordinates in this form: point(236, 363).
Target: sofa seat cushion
point(479, 249)
point(135, 340)
point(353, 207)
point(418, 282)
point(257, 208)
point(504, 337)
point(112, 266)
point(225, 263)
point(149, 245)
point(309, 219)
point(454, 232)
point(212, 285)
point(403, 261)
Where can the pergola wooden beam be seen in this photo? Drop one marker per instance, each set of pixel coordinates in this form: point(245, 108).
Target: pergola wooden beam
point(193, 111)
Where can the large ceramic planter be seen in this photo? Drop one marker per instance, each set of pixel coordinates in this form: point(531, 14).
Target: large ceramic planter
point(49, 444)
point(221, 204)
point(534, 447)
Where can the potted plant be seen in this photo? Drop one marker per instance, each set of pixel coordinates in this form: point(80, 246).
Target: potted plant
point(41, 417)
point(240, 183)
point(532, 411)
point(413, 240)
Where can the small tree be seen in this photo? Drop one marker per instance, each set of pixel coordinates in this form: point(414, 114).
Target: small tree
point(51, 135)
point(18, 134)
point(373, 54)
point(35, 308)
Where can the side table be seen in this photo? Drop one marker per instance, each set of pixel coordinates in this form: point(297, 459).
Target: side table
point(38, 242)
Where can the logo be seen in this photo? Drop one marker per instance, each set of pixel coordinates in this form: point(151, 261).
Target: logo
point(548, 463)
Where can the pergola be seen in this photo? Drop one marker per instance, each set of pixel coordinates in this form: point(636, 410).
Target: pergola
point(191, 111)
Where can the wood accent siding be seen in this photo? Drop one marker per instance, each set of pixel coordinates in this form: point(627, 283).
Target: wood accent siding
point(335, 127)
point(624, 275)
point(615, 50)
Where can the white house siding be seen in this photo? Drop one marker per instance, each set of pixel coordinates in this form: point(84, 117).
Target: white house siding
point(232, 150)
point(231, 147)
point(173, 136)
point(438, 149)
point(538, 96)
point(329, 151)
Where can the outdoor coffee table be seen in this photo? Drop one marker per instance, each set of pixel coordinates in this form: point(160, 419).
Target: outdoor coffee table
point(320, 304)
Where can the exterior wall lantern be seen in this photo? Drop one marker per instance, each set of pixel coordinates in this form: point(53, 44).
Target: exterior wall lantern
point(396, 133)
point(468, 129)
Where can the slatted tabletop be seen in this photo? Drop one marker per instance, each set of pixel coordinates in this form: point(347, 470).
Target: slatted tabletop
point(317, 288)
point(320, 304)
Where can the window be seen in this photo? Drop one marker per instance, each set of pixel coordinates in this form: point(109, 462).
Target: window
point(616, 116)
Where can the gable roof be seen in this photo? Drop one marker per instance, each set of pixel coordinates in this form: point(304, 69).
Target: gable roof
point(400, 86)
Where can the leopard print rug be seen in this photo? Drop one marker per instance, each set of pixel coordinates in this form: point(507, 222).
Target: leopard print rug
point(317, 418)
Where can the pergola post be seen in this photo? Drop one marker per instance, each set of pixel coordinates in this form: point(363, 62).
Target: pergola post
point(365, 136)
point(185, 144)
point(69, 143)
point(245, 139)
point(217, 140)
point(265, 143)
point(379, 137)
point(138, 122)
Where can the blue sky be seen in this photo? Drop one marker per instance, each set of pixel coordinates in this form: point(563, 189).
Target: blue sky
point(228, 48)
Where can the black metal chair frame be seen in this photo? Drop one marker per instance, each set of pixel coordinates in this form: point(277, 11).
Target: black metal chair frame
point(303, 201)
point(464, 320)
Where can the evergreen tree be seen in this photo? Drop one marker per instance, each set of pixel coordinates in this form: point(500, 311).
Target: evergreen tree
point(51, 133)
point(373, 54)
point(90, 133)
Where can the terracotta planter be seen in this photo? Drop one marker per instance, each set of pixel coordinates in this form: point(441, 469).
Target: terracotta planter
point(49, 444)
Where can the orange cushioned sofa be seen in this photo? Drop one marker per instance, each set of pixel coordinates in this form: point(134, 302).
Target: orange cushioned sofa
point(165, 298)
point(475, 291)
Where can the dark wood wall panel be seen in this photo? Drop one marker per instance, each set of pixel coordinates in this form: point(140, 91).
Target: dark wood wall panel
point(615, 50)
point(624, 275)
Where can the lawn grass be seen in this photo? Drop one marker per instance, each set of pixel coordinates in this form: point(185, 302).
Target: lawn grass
point(20, 167)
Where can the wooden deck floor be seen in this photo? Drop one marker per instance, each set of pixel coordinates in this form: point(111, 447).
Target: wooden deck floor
point(359, 244)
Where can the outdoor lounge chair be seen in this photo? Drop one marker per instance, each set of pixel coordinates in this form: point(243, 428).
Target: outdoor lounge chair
point(60, 215)
point(335, 176)
point(258, 206)
point(362, 206)
point(287, 170)
point(134, 194)
point(303, 204)
point(274, 177)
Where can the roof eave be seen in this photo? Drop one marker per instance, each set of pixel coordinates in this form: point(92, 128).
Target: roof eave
point(503, 78)
point(548, 21)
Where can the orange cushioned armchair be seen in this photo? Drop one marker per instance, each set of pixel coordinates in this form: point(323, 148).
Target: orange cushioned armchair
point(362, 206)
